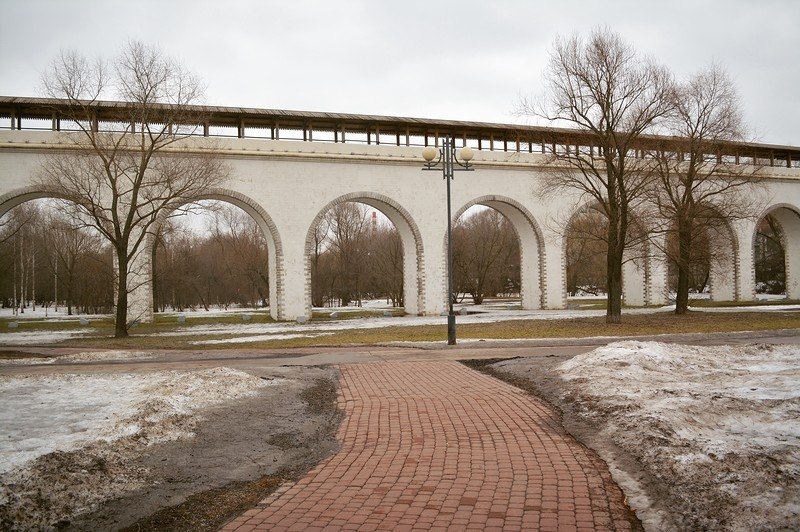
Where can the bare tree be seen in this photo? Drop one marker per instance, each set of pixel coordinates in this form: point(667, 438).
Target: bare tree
point(698, 193)
point(486, 254)
point(120, 177)
point(70, 246)
point(176, 269)
point(48, 252)
point(348, 225)
point(20, 245)
point(385, 263)
point(770, 256)
point(586, 251)
point(242, 249)
point(602, 87)
point(356, 256)
point(321, 271)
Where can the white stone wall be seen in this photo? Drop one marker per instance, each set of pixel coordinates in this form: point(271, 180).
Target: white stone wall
point(288, 185)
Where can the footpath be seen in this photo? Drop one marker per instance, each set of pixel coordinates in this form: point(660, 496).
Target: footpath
point(436, 445)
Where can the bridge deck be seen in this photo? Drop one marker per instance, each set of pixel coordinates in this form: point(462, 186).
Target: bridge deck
point(49, 114)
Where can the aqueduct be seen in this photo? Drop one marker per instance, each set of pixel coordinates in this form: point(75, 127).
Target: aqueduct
point(288, 168)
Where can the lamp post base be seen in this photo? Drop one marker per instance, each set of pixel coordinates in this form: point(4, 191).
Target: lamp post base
point(451, 329)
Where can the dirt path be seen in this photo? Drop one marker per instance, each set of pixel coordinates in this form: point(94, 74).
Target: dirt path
point(437, 444)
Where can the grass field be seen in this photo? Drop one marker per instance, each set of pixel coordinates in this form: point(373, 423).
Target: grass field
point(181, 335)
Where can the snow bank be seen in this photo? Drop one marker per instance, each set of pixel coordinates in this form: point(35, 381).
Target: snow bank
point(89, 356)
point(92, 356)
point(719, 425)
point(42, 337)
point(722, 398)
point(43, 414)
point(259, 338)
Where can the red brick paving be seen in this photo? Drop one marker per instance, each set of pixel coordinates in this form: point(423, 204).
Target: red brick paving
point(435, 445)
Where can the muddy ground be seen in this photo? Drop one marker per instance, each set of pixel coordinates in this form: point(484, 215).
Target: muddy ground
point(241, 452)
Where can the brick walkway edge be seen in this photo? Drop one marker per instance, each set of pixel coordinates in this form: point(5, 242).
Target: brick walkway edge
point(435, 445)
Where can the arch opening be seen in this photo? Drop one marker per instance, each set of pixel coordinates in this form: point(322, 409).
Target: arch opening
point(585, 251)
point(701, 258)
point(364, 247)
point(720, 255)
point(776, 253)
point(73, 238)
point(226, 252)
point(586, 261)
point(498, 255)
point(51, 264)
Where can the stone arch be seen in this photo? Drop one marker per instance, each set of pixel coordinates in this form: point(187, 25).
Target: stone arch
point(788, 216)
point(577, 210)
point(532, 250)
point(644, 274)
point(16, 197)
point(410, 236)
point(725, 266)
point(19, 196)
point(277, 308)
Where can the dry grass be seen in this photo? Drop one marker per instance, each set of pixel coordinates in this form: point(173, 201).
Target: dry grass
point(707, 303)
point(650, 324)
point(566, 328)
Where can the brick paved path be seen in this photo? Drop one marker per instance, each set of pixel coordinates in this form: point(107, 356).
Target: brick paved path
point(427, 445)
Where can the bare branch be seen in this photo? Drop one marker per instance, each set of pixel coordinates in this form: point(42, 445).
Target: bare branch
point(602, 87)
point(121, 182)
point(696, 193)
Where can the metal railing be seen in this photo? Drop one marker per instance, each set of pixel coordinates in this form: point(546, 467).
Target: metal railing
point(40, 114)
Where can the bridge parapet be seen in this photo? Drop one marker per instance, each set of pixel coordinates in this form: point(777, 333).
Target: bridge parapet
point(373, 130)
point(243, 148)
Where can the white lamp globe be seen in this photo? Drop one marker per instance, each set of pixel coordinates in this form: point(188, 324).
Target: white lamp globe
point(429, 153)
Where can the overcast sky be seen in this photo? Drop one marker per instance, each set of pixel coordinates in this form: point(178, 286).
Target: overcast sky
point(465, 59)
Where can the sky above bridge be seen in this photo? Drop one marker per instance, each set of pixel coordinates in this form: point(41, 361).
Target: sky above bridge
point(462, 59)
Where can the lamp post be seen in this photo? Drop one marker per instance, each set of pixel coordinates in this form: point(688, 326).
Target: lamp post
point(450, 162)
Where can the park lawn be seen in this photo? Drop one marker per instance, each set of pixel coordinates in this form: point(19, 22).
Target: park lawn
point(632, 325)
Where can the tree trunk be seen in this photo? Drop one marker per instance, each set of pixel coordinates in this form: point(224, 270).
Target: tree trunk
point(614, 279)
point(682, 295)
point(69, 297)
point(616, 248)
point(684, 261)
point(33, 278)
point(155, 281)
point(121, 322)
point(15, 275)
point(22, 276)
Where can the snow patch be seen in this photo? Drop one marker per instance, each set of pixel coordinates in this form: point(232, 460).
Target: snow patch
point(259, 338)
point(720, 424)
point(42, 337)
point(43, 414)
point(89, 356)
point(26, 361)
point(93, 356)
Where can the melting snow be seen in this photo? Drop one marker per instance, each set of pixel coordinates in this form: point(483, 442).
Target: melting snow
point(723, 398)
point(42, 414)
